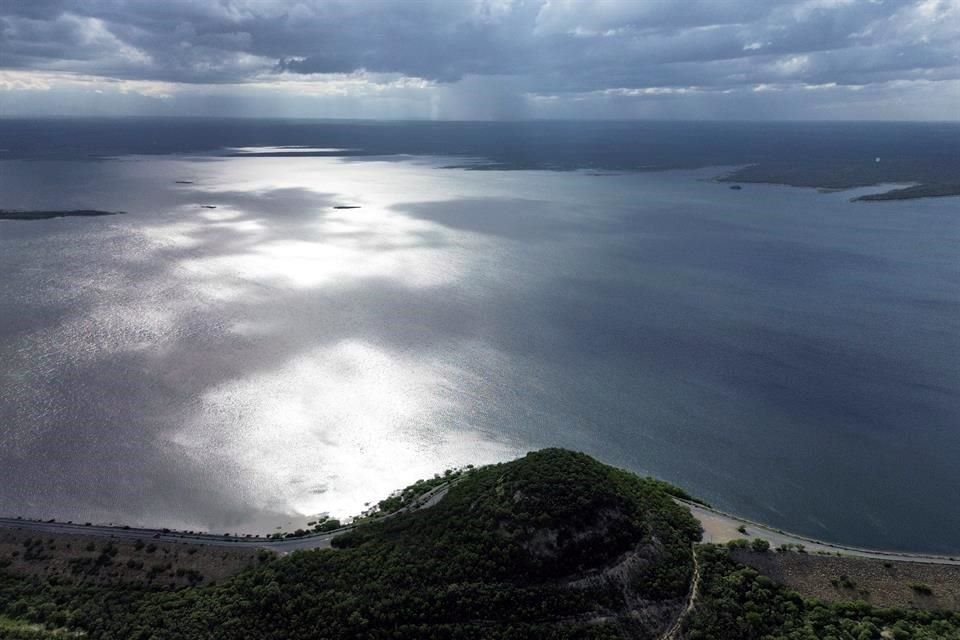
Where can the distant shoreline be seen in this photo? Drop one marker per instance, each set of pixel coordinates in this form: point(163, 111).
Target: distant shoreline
point(831, 179)
point(914, 192)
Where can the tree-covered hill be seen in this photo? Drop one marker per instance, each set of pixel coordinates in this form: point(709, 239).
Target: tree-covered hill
point(552, 545)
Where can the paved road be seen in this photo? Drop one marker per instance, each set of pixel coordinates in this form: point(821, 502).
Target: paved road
point(285, 545)
point(322, 541)
point(720, 527)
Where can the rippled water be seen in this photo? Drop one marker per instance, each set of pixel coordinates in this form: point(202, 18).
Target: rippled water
point(783, 353)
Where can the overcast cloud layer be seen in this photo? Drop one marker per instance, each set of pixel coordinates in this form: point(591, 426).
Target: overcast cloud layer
point(483, 59)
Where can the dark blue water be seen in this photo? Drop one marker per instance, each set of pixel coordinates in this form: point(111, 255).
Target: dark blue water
point(801, 153)
point(785, 354)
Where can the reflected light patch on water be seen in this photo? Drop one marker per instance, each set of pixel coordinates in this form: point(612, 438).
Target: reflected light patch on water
point(284, 149)
point(180, 235)
point(335, 428)
point(343, 250)
point(323, 428)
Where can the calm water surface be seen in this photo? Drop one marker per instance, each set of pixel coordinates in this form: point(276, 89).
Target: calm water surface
point(783, 353)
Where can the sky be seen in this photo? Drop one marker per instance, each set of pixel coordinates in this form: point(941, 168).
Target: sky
point(483, 59)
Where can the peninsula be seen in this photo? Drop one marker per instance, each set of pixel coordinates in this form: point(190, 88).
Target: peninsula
point(915, 191)
point(933, 180)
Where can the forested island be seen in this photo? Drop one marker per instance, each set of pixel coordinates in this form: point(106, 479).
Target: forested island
point(553, 545)
point(18, 214)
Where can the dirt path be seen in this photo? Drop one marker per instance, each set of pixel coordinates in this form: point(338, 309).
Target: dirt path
point(674, 630)
point(720, 527)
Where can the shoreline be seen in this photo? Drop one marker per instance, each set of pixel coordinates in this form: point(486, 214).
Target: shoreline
point(915, 189)
point(720, 527)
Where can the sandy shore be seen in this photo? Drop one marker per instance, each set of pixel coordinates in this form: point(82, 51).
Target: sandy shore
point(720, 527)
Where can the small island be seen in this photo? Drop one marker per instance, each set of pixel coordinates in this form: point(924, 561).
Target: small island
point(17, 214)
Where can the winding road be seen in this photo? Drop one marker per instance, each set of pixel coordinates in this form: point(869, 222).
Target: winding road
point(283, 545)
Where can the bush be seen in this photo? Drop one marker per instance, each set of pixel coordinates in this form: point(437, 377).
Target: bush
point(760, 545)
point(329, 525)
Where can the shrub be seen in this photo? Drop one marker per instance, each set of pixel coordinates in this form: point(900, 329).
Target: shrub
point(760, 545)
point(329, 525)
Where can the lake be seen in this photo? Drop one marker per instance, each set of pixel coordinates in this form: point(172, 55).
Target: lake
point(234, 353)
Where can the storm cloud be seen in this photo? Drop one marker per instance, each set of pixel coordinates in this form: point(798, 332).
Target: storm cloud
point(484, 58)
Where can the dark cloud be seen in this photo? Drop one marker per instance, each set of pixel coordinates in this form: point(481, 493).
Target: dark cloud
point(547, 47)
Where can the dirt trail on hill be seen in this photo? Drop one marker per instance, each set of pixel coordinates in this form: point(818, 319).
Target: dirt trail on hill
point(674, 629)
